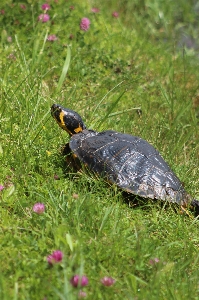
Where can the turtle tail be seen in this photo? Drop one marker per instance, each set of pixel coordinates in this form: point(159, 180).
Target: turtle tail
point(195, 204)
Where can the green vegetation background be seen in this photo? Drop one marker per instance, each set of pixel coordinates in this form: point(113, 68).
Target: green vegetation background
point(137, 74)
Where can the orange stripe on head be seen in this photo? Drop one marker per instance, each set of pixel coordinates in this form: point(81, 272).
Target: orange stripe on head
point(62, 123)
point(78, 129)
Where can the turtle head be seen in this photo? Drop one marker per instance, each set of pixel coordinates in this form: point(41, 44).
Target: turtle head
point(67, 119)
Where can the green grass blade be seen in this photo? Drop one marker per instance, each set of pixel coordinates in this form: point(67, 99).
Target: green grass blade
point(96, 108)
point(108, 211)
point(23, 57)
point(112, 106)
point(64, 70)
point(121, 112)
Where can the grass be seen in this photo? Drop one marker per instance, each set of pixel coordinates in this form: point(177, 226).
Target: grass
point(125, 74)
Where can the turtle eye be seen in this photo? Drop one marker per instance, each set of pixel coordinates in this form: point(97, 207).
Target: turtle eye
point(55, 111)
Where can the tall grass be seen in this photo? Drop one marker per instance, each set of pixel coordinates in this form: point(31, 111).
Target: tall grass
point(125, 74)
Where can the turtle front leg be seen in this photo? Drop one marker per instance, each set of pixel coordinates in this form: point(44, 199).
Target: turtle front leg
point(65, 150)
point(71, 159)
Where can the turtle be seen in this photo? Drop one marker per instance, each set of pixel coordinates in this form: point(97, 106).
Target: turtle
point(128, 161)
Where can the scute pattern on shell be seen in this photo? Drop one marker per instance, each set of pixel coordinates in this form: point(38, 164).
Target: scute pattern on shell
point(130, 162)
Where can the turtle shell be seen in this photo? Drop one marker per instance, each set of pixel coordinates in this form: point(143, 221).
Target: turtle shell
point(129, 162)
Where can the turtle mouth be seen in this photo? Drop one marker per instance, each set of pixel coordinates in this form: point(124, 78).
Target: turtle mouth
point(59, 114)
point(55, 112)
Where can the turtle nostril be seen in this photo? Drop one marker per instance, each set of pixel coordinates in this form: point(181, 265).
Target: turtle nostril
point(55, 111)
point(54, 107)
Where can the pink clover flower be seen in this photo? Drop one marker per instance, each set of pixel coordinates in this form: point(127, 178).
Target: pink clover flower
point(115, 14)
point(45, 6)
point(77, 280)
point(107, 281)
point(39, 208)
point(85, 24)
point(55, 257)
point(44, 18)
point(52, 38)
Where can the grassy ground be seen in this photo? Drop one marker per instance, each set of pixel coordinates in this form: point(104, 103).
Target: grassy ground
point(126, 73)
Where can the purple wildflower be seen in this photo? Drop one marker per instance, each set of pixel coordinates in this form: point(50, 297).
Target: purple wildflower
point(107, 281)
point(44, 18)
point(45, 6)
point(72, 7)
point(55, 257)
point(75, 196)
point(9, 39)
point(39, 208)
point(154, 261)
point(1, 187)
point(115, 14)
point(2, 12)
point(56, 177)
point(77, 280)
point(52, 38)
point(85, 24)
point(82, 294)
point(22, 6)
point(11, 56)
point(71, 36)
point(95, 10)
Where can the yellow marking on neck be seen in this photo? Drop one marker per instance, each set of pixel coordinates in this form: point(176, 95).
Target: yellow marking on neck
point(78, 129)
point(62, 124)
point(61, 116)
